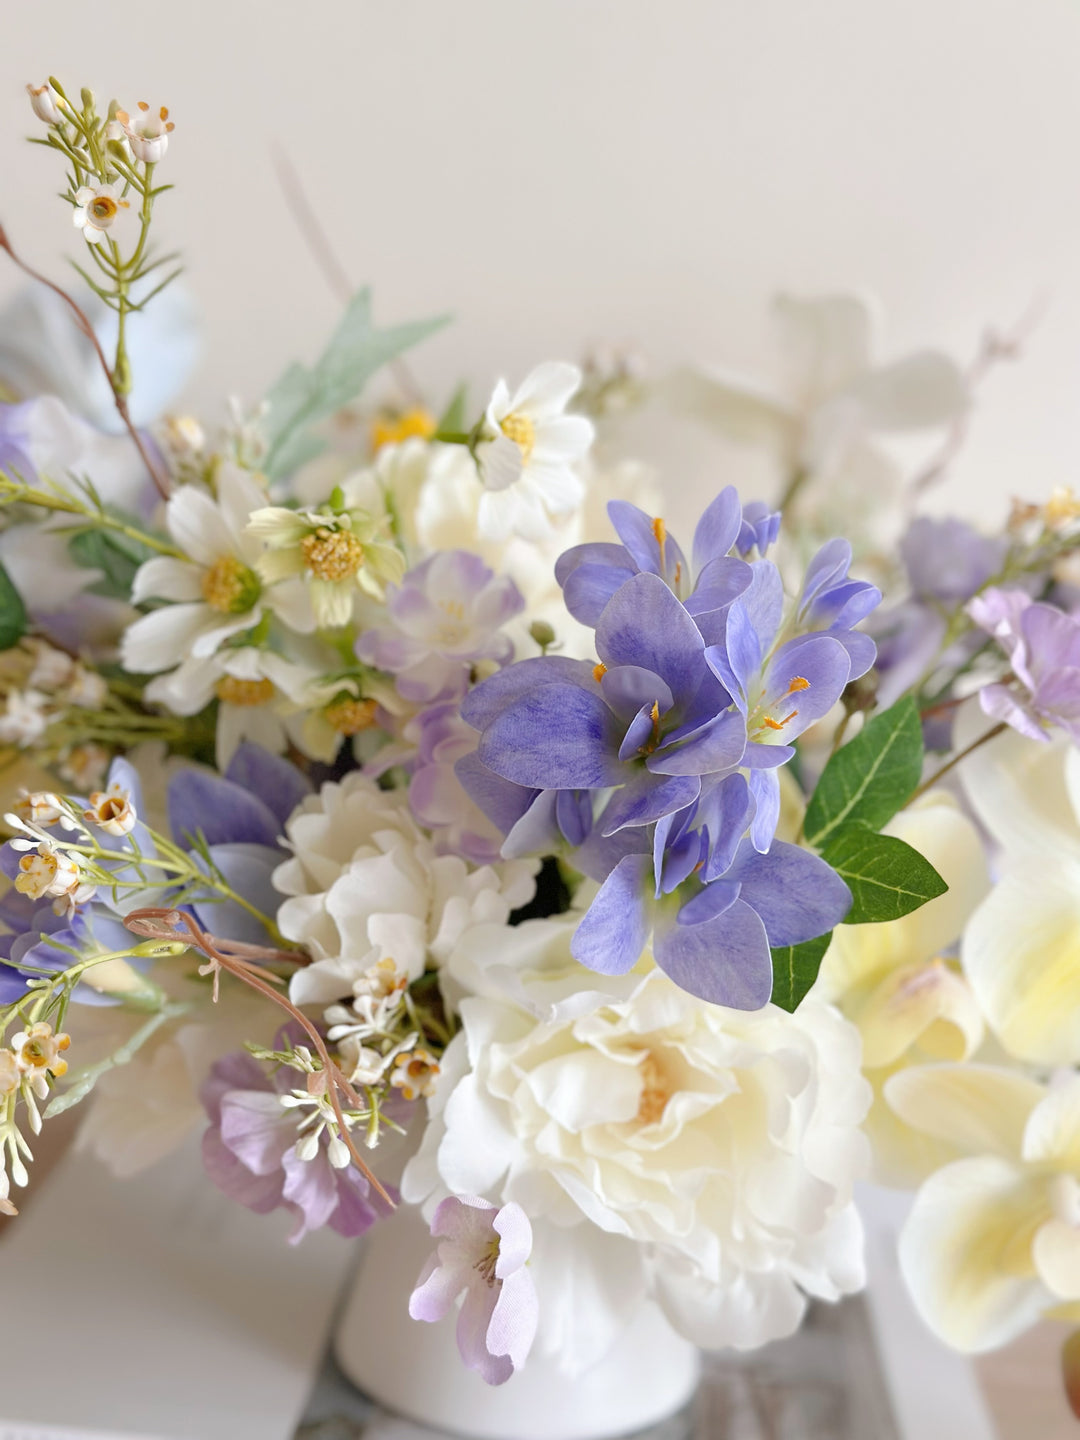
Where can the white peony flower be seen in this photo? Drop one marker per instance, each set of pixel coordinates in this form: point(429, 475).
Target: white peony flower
point(657, 1144)
point(216, 591)
point(528, 454)
point(1020, 947)
point(993, 1239)
point(366, 885)
point(97, 209)
point(898, 983)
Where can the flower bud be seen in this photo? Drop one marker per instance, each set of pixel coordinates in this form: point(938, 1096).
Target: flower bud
point(43, 103)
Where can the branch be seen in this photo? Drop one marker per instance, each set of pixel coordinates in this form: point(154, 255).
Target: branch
point(119, 399)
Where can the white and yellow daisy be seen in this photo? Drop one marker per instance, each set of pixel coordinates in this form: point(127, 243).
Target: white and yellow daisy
point(97, 209)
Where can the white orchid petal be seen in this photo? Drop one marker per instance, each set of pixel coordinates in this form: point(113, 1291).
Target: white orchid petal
point(979, 1108)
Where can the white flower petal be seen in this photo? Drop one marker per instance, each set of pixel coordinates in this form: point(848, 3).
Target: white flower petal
point(1056, 1251)
point(164, 638)
point(921, 391)
point(194, 522)
point(1052, 1135)
point(826, 343)
point(978, 1108)
point(546, 391)
point(238, 496)
point(165, 578)
point(738, 411)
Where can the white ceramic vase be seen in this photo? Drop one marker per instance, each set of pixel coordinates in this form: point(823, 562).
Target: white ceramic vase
point(414, 1369)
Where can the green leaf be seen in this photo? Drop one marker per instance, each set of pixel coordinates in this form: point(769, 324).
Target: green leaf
point(12, 613)
point(868, 780)
point(887, 877)
point(795, 968)
point(117, 556)
point(85, 1080)
point(303, 397)
point(452, 421)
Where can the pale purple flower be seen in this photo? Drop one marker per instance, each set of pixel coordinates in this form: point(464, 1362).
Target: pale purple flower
point(1043, 647)
point(250, 1152)
point(483, 1252)
point(446, 614)
point(437, 797)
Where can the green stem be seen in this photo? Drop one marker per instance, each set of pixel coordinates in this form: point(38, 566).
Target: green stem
point(938, 775)
point(17, 492)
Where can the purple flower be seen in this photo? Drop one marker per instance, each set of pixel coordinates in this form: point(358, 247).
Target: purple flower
point(36, 934)
point(482, 1252)
point(759, 529)
point(250, 1152)
point(832, 601)
point(437, 797)
point(241, 817)
point(1043, 647)
point(447, 614)
point(591, 574)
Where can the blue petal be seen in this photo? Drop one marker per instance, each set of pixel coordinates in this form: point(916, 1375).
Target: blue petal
point(486, 700)
point(718, 529)
point(823, 661)
point(277, 782)
point(718, 745)
point(764, 602)
point(765, 789)
point(589, 588)
point(558, 737)
point(573, 811)
point(224, 811)
point(615, 929)
point(638, 734)
point(797, 895)
point(635, 530)
point(727, 811)
point(646, 798)
point(862, 652)
point(721, 582)
point(644, 624)
point(594, 553)
point(629, 687)
point(709, 902)
point(247, 870)
point(725, 960)
point(503, 802)
point(537, 831)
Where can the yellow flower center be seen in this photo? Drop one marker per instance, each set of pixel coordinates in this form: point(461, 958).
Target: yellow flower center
point(489, 1259)
point(229, 586)
point(522, 431)
point(102, 209)
point(332, 554)
point(391, 428)
point(349, 716)
point(247, 693)
point(655, 1091)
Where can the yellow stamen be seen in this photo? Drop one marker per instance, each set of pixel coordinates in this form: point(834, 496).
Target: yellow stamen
point(655, 1092)
point(798, 684)
point(332, 554)
point(229, 586)
point(103, 207)
point(247, 693)
point(348, 716)
point(769, 723)
point(391, 428)
point(522, 431)
point(655, 716)
point(659, 529)
point(599, 671)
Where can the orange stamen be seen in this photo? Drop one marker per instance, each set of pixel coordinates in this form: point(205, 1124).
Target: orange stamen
point(599, 671)
point(798, 683)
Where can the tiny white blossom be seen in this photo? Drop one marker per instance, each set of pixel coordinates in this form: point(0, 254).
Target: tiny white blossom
point(24, 719)
point(43, 100)
point(97, 210)
point(147, 132)
point(112, 811)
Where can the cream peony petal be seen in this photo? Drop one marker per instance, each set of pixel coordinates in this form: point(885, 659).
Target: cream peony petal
point(743, 1311)
point(1021, 953)
point(979, 1109)
point(965, 1253)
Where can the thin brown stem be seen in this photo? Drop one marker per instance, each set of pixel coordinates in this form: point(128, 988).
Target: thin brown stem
point(938, 775)
point(82, 321)
point(163, 924)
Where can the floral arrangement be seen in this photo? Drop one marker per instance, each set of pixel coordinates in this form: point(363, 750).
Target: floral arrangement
point(397, 799)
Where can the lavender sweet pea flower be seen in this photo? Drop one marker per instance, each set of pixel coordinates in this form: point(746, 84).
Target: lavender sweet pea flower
point(36, 935)
point(1043, 647)
point(250, 1152)
point(446, 615)
point(713, 940)
point(650, 721)
point(591, 574)
point(482, 1251)
point(241, 817)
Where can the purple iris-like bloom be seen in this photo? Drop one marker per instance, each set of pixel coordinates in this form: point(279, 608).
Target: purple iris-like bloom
point(437, 796)
point(649, 721)
point(241, 817)
point(759, 529)
point(36, 934)
point(249, 1152)
point(1043, 647)
point(482, 1254)
point(591, 574)
point(832, 601)
point(446, 614)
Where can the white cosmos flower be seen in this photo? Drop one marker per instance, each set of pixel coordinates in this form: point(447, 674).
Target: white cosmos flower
point(703, 1154)
point(898, 983)
point(1020, 947)
point(216, 591)
point(365, 884)
point(529, 453)
point(97, 209)
point(993, 1239)
point(836, 399)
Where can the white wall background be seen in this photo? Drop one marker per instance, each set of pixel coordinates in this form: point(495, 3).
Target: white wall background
point(560, 171)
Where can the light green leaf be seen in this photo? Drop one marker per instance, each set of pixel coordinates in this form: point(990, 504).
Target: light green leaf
point(887, 877)
point(12, 613)
point(453, 418)
point(85, 1080)
point(795, 968)
point(868, 780)
point(116, 555)
point(303, 397)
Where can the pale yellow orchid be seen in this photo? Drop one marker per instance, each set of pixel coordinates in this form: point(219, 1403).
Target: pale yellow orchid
point(894, 981)
point(993, 1240)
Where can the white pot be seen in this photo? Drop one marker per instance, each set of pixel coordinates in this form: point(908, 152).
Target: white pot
point(414, 1369)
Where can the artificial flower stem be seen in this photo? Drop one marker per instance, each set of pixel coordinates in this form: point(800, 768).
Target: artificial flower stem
point(939, 775)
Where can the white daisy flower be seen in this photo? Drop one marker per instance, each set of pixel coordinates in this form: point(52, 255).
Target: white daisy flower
point(216, 589)
point(96, 210)
point(147, 132)
point(528, 454)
